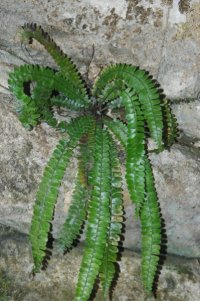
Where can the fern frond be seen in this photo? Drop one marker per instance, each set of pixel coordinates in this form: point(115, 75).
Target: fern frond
point(75, 217)
point(33, 107)
point(98, 217)
point(170, 124)
point(135, 149)
point(107, 86)
point(60, 101)
point(118, 128)
point(67, 67)
point(45, 201)
point(48, 189)
point(77, 211)
point(108, 266)
point(151, 230)
point(45, 81)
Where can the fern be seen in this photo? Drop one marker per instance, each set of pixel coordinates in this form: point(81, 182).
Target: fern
point(97, 195)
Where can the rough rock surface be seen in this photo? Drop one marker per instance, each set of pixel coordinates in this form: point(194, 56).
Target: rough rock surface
point(160, 36)
point(179, 280)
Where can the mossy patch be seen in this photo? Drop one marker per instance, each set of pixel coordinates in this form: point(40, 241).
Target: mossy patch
point(8, 290)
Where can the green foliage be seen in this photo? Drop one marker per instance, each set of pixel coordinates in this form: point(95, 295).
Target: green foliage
point(97, 196)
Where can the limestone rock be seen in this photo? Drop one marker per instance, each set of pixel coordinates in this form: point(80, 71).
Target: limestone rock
point(159, 36)
point(179, 279)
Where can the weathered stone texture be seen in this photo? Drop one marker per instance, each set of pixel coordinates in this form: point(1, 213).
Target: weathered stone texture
point(179, 280)
point(162, 38)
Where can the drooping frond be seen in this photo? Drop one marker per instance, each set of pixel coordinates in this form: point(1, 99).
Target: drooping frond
point(118, 128)
point(108, 266)
point(67, 67)
point(151, 230)
point(78, 208)
point(45, 201)
point(135, 148)
point(114, 79)
point(48, 189)
point(75, 217)
point(98, 217)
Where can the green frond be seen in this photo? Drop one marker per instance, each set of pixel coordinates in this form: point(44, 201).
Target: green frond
point(81, 124)
point(108, 266)
point(135, 149)
point(75, 217)
point(98, 217)
point(45, 201)
point(37, 106)
point(77, 211)
point(67, 103)
point(114, 79)
point(170, 124)
point(33, 107)
point(118, 128)
point(67, 67)
point(151, 230)
point(49, 187)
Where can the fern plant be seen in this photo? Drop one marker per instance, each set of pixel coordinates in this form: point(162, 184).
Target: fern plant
point(97, 134)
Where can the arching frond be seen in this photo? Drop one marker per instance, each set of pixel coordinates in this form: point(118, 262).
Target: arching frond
point(67, 67)
point(37, 106)
point(34, 106)
point(114, 79)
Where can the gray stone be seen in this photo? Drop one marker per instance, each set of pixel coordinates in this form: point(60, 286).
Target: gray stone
point(158, 36)
point(178, 185)
point(23, 155)
point(179, 280)
point(188, 117)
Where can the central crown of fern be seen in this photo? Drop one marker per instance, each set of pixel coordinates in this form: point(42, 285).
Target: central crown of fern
point(97, 195)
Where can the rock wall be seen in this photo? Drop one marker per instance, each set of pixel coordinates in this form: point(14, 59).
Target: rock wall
point(161, 36)
point(179, 280)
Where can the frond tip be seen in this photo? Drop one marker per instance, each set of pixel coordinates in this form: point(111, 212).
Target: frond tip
point(151, 230)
